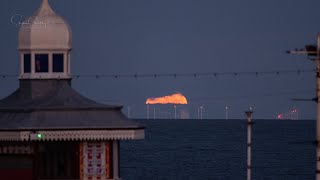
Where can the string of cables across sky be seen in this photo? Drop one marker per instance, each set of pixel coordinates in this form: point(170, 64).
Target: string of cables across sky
point(186, 75)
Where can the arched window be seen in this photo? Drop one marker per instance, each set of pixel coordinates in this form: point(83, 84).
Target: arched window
point(57, 62)
point(27, 63)
point(41, 63)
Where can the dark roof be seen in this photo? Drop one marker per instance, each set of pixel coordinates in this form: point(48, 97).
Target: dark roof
point(54, 104)
point(54, 120)
point(48, 94)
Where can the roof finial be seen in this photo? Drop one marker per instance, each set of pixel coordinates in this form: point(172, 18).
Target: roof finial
point(45, 8)
point(45, 3)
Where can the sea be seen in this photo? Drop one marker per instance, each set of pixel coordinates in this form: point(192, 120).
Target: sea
point(217, 149)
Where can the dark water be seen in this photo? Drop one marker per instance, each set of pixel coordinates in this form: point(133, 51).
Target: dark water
point(216, 149)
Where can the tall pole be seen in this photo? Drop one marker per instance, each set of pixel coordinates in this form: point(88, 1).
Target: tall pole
point(175, 111)
point(154, 112)
point(249, 122)
point(317, 60)
point(315, 51)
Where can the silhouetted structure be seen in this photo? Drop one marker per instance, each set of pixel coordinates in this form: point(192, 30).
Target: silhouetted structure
point(47, 129)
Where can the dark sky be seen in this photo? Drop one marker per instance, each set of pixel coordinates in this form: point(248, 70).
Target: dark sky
point(182, 36)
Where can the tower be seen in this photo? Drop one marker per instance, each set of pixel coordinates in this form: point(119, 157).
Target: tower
point(45, 45)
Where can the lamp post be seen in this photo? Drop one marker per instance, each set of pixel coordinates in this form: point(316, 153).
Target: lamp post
point(313, 53)
point(249, 123)
point(226, 112)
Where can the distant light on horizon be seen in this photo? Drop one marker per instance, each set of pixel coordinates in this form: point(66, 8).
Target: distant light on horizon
point(176, 98)
point(292, 114)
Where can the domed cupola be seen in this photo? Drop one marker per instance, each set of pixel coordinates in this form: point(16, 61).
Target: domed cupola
point(45, 45)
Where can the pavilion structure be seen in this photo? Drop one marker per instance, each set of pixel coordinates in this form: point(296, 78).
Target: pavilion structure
point(47, 129)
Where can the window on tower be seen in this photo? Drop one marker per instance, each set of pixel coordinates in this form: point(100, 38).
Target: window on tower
point(41, 63)
point(27, 63)
point(57, 62)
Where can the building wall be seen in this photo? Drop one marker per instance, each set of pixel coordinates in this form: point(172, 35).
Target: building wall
point(89, 160)
point(16, 168)
point(57, 160)
point(96, 160)
point(16, 161)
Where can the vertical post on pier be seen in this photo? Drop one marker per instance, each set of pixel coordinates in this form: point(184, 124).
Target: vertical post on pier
point(312, 51)
point(249, 122)
point(317, 61)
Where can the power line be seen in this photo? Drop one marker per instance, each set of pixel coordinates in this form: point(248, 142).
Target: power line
point(182, 75)
point(194, 75)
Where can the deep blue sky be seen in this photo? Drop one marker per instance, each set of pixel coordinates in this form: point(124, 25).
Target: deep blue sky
point(182, 36)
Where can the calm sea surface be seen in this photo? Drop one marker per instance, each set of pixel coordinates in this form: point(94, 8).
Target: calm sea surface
point(216, 149)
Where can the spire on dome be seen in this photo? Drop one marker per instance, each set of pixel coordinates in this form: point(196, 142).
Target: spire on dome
point(45, 30)
point(44, 9)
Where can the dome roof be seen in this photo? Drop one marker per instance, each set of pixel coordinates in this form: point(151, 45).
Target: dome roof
point(45, 30)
